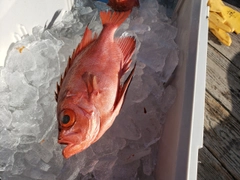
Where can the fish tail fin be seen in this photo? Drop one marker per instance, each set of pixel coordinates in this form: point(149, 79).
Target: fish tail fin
point(113, 18)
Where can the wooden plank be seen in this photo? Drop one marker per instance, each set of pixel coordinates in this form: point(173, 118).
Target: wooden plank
point(221, 136)
point(210, 168)
point(220, 157)
point(232, 52)
point(223, 81)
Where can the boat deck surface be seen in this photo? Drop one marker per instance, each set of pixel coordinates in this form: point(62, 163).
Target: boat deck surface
point(220, 156)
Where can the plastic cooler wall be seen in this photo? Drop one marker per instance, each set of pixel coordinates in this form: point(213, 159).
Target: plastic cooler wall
point(183, 131)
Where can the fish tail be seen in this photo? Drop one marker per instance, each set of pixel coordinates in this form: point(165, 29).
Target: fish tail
point(113, 18)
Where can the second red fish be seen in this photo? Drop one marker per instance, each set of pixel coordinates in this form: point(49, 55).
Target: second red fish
point(90, 96)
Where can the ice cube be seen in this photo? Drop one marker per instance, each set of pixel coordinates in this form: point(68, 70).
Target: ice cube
point(32, 157)
point(3, 84)
point(27, 139)
point(83, 3)
point(4, 99)
point(37, 31)
point(25, 123)
point(147, 163)
point(124, 127)
point(101, 6)
point(170, 66)
point(22, 94)
point(18, 165)
point(72, 167)
point(85, 10)
point(128, 155)
point(50, 40)
point(168, 98)
point(8, 139)
point(21, 59)
point(43, 166)
point(6, 157)
point(137, 91)
point(152, 56)
point(23, 148)
point(35, 173)
point(42, 152)
point(68, 18)
point(5, 117)
point(108, 145)
point(89, 166)
point(126, 171)
point(103, 169)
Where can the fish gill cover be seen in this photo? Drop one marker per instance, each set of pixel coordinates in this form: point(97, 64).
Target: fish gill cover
point(28, 125)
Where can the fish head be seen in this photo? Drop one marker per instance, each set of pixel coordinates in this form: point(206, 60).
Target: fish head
point(77, 128)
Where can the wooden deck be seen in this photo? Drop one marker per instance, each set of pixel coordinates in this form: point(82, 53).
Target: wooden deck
point(220, 156)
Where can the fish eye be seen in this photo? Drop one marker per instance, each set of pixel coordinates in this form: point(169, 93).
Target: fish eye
point(67, 118)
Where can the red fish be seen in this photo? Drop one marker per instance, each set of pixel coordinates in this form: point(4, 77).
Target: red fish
point(123, 5)
point(90, 95)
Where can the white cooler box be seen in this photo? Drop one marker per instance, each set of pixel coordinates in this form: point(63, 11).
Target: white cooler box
point(183, 131)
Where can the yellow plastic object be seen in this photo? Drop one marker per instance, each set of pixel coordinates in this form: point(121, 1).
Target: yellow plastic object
point(223, 19)
point(215, 5)
point(222, 35)
point(232, 17)
point(216, 19)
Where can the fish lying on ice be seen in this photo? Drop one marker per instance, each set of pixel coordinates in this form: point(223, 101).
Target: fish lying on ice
point(90, 95)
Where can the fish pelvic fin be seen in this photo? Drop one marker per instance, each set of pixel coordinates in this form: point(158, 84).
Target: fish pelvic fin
point(113, 18)
point(87, 39)
point(91, 84)
point(127, 46)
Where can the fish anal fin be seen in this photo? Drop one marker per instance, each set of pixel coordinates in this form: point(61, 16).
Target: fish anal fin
point(91, 83)
point(127, 46)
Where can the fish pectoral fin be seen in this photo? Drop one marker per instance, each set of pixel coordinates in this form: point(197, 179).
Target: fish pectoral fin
point(122, 92)
point(127, 46)
point(91, 83)
point(107, 123)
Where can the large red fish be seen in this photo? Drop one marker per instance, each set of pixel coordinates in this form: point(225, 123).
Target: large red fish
point(90, 95)
point(123, 5)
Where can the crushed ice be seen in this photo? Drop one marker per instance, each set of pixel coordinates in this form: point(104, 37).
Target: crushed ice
point(28, 126)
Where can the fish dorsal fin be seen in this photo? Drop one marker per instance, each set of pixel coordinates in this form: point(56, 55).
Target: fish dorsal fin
point(87, 39)
point(127, 46)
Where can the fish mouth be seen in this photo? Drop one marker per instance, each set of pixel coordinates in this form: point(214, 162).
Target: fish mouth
point(71, 148)
point(67, 146)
